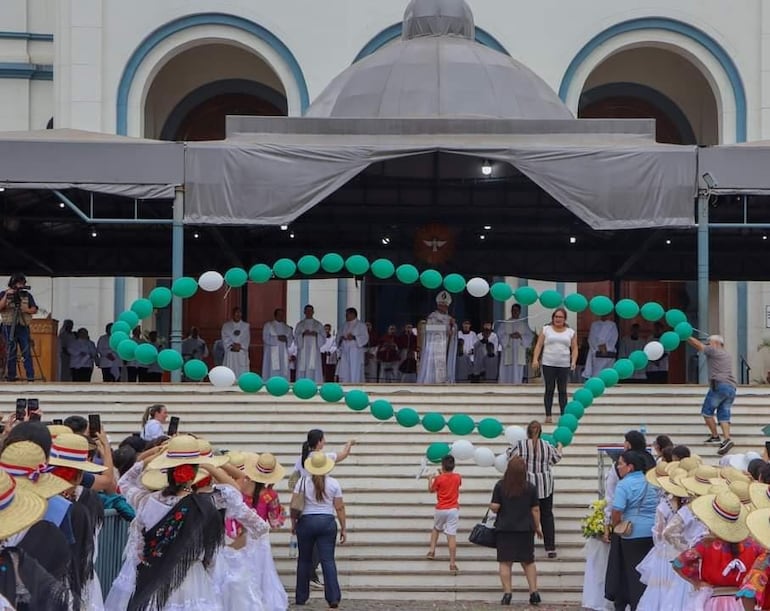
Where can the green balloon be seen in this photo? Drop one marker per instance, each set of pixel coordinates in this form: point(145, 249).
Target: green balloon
point(129, 317)
point(563, 436)
point(195, 369)
point(431, 279)
point(120, 325)
point(490, 428)
point(309, 265)
point(600, 305)
point(576, 302)
point(146, 354)
point(525, 295)
point(583, 396)
point(501, 291)
point(461, 424)
point(433, 422)
point(251, 382)
point(551, 299)
point(568, 421)
point(684, 330)
point(454, 283)
point(548, 438)
point(332, 263)
point(260, 273)
point(639, 359)
point(627, 308)
point(170, 360)
point(383, 269)
point(116, 337)
point(305, 388)
point(357, 265)
point(595, 386)
point(184, 287)
point(675, 316)
point(437, 450)
point(127, 349)
point(142, 308)
point(236, 277)
point(407, 274)
point(284, 268)
point(670, 341)
point(652, 311)
point(575, 408)
point(624, 367)
point(332, 392)
point(277, 386)
point(407, 417)
point(160, 297)
point(382, 409)
point(357, 400)
point(609, 376)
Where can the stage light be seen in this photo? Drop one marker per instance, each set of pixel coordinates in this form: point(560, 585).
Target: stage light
point(2, 189)
point(573, 240)
point(284, 227)
point(482, 237)
point(94, 233)
point(385, 241)
point(61, 204)
point(764, 237)
point(196, 235)
point(291, 235)
point(668, 242)
point(486, 168)
point(487, 227)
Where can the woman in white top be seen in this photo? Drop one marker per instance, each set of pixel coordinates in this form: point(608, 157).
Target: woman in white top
point(557, 345)
point(316, 527)
point(152, 422)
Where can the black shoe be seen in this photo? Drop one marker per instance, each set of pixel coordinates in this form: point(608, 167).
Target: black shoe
point(534, 598)
point(506, 599)
point(725, 447)
point(716, 439)
point(551, 553)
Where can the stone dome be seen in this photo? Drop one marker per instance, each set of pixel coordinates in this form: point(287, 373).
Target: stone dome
point(438, 70)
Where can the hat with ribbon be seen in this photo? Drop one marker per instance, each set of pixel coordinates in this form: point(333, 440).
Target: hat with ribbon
point(266, 469)
point(19, 509)
point(760, 495)
point(181, 450)
point(701, 481)
point(57, 429)
point(25, 462)
point(318, 463)
point(71, 450)
point(207, 452)
point(690, 463)
point(740, 488)
point(758, 523)
point(731, 474)
point(723, 514)
point(444, 298)
point(157, 478)
point(672, 483)
point(660, 470)
point(239, 459)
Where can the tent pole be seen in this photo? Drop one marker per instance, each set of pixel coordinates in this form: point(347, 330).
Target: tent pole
point(703, 275)
point(177, 271)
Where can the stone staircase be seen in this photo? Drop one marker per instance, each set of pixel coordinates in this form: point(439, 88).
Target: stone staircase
point(389, 509)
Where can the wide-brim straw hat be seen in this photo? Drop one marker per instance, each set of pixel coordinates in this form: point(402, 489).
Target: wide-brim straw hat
point(660, 470)
point(760, 495)
point(742, 489)
point(265, 469)
point(690, 463)
point(19, 509)
point(239, 459)
point(732, 474)
point(70, 450)
point(25, 462)
point(318, 463)
point(758, 523)
point(670, 484)
point(58, 429)
point(701, 481)
point(670, 466)
point(157, 479)
point(181, 450)
point(207, 452)
point(723, 514)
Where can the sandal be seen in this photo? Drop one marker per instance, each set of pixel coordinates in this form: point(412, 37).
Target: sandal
point(430, 555)
point(453, 570)
point(548, 420)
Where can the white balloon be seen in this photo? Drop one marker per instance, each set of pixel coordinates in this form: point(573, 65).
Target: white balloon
point(515, 434)
point(654, 350)
point(462, 449)
point(478, 287)
point(211, 281)
point(222, 377)
point(484, 457)
point(501, 462)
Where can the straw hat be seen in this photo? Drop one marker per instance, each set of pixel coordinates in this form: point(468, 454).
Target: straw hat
point(758, 523)
point(723, 514)
point(266, 469)
point(690, 463)
point(670, 466)
point(57, 429)
point(70, 450)
point(25, 462)
point(19, 509)
point(660, 470)
point(318, 463)
point(760, 495)
point(157, 479)
point(239, 459)
point(181, 450)
point(731, 474)
point(740, 488)
point(671, 483)
point(701, 481)
point(207, 452)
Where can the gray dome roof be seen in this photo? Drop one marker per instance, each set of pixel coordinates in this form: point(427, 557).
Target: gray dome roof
point(438, 70)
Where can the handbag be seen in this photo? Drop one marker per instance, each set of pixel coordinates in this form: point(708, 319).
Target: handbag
point(625, 528)
point(297, 505)
point(482, 534)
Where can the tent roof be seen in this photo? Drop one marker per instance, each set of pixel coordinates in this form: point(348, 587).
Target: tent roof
point(736, 168)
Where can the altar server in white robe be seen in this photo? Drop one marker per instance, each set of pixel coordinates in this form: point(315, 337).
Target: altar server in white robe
point(276, 337)
point(631, 343)
point(438, 350)
point(466, 340)
point(352, 340)
point(310, 337)
point(602, 346)
point(486, 359)
point(515, 337)
point(236, 338)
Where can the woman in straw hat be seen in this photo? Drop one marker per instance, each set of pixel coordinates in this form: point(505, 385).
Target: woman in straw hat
point(717, 565)
point(322, 496)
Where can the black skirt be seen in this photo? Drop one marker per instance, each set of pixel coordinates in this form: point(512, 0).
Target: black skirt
point(515, 546)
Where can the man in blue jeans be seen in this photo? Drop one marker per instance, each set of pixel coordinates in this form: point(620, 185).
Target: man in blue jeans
point(16, 309)
point(721, 394)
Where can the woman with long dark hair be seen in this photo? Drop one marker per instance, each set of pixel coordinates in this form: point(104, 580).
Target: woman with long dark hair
point(557, 346)
point(514, 500)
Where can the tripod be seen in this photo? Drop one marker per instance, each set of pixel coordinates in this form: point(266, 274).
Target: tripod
point(11, 343)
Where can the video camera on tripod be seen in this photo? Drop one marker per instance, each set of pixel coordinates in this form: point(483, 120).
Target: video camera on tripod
point(18, 295)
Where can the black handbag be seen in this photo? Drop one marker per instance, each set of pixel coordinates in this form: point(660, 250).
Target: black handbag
point(482, 534)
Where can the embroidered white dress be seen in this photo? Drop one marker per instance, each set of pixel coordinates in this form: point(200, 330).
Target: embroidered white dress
point(681, 533)
point(655, 569)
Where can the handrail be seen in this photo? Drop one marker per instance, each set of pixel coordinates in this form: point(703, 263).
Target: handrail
point(745, 371)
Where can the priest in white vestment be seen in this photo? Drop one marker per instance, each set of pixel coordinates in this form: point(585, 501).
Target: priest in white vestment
point(515, 338)
point(329, 353)
point(276, 337)
point(631, 343)
point(236, 338)
point(352, 340)
point(310, 338)
point(438, 350)
point(466, 340)
point(602, 346)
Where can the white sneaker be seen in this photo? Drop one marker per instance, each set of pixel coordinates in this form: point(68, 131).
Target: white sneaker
point(316, 584)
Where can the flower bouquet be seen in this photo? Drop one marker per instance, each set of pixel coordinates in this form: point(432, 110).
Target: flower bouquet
point(593, 524)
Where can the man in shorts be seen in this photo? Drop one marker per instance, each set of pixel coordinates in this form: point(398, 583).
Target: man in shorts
point(446, 484)
point(722, 387)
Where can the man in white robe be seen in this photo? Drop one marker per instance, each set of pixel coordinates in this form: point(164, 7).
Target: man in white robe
point(329, 353)
point(310, 338)
point(352, 341)
point(107, 359)
point(628, 344)
point(193, 346)
point(66, 338)
point(236, 338)
point(438, 350)
point(466, 340)
point(602, 346)
point(515, 338)
point(276, 337)
point(485, 355)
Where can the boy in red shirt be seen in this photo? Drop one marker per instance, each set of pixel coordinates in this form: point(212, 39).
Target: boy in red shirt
point(446, 484)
